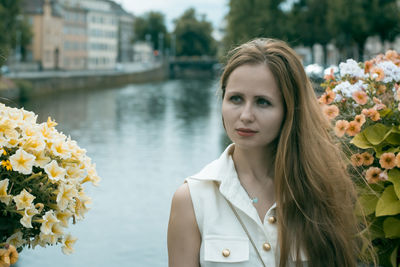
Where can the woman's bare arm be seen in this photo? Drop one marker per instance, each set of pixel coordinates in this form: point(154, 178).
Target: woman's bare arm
point(184, 238)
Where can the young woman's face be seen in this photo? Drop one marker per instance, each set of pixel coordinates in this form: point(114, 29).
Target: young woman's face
point(253, 107)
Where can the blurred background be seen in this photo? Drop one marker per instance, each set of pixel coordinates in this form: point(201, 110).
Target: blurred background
point(135, 83)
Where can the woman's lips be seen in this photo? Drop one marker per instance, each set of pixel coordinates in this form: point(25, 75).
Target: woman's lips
point(245, 132)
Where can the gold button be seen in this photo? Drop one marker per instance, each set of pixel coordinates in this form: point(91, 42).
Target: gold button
point(272, 219)
point(267, 246)
point(226, 253)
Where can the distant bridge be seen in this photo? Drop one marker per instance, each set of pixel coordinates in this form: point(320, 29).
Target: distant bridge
point(181, 67)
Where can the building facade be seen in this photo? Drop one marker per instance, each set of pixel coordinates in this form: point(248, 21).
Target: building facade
point(75, 37)
point(45, 17)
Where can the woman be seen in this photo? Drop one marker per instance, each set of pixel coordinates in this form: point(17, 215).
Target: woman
point(280, 195)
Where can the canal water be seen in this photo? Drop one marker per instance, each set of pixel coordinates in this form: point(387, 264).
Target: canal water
point(145, 139)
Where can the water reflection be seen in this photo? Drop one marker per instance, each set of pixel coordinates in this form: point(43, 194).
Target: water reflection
point(146, 139)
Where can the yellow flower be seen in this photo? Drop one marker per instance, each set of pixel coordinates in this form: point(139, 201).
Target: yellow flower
point(47, 223)
point(23, 200)
point(68, 242)
point(13, 254)
point(51, 123)
point(22, 161)
point(6, 164)
point(54, 172)
point(4, 197)
point(4, 258)
point(66, 194)
point(34, 144)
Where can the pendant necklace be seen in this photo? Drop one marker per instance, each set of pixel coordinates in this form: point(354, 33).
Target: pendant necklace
point(254, 200)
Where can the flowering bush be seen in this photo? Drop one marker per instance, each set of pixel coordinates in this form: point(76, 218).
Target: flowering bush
point(363, 104)
point(42, 173)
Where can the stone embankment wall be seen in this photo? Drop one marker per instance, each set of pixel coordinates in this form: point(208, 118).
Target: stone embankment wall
point(28, 87)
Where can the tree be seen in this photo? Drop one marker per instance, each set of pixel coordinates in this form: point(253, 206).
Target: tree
point(350, 22)
point(309, 24)
point(151, 24)
point(248, 19)
point(386, 18)
point(194, 35)
point(15, 30)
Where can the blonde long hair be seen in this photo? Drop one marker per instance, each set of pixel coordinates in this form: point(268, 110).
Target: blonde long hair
point(314, 193)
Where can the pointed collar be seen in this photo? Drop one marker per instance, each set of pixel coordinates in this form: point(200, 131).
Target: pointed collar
point(223, 172)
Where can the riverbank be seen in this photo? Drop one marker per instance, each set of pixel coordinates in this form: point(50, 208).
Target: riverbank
point(21, 86)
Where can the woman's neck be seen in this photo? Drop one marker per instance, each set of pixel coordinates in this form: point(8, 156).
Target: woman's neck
point(254, 163)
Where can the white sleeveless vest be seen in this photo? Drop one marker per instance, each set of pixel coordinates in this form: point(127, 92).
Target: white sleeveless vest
point(220, 230)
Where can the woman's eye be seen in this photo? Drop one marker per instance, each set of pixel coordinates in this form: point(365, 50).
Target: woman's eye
point(263, 102)
point(235, 99)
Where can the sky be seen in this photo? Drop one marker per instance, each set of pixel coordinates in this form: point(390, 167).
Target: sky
point(215, 10)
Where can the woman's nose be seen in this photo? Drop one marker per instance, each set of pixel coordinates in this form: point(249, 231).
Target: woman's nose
point(247, 114)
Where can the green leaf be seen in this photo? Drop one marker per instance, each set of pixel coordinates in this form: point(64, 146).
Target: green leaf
point(376, 133)
point(368, 204)
point(393, 138)
point(385, 112)
point(391, 227)
point(393, 256)
point(361, 141)
point(389, 203)
point(394, 177)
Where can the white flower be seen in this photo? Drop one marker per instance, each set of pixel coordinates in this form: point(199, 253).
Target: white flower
point(392, 72)
point(41, 159)
point(23, 200)
point(26, 220)
point(22, 161)
point(348, 89)
point(351, 68)
point(66, 194)
point(60, 149)
point(16, 240)
point(54, 172)
point(4, 197)
point(47, 224)
point(68, 242)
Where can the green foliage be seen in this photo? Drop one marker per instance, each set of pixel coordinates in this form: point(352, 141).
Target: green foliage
point(194, 35)
point(248, 19)
point(12, 28)
point(151, 24)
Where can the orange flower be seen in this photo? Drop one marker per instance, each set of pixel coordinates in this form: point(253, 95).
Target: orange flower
point(331, 111)
point(330, 76)
point(381, 89)
point(360, 119)
point(357, 160)
point(360, 97)
point(368, 66)
point(397, 160)
point(378, 104)
point(327, 97)
point(374, 115)
point(368, 159)
point(13, 254)
point(379, 72)
point(391, 55)
point(373, 174)
point(353, 128)
point(341, 127)
point(387, 160)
